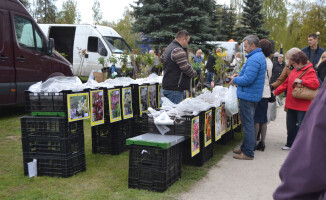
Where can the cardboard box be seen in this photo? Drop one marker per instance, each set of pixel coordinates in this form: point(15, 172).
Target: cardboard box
point(99, 76)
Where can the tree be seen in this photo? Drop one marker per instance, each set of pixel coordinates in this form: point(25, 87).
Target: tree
point(276, 14)
point(45, 11)
point(97, 13)
point(252, 20)
point(226, 23)
point(160, 20)
point(69, 13)
point(124, 28)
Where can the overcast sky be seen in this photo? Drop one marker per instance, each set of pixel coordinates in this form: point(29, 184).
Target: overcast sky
point(112, 9)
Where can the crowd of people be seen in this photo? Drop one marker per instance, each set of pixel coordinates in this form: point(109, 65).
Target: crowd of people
point(298, 76)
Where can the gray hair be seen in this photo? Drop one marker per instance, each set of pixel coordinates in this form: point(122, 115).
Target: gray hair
point(252, 39)
point(290, 52)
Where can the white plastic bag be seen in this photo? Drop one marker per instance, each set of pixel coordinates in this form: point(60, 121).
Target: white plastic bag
point(231, 101)
point(271, 111)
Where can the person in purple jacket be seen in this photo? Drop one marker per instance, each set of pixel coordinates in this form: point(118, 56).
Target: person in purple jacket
point(303, 173)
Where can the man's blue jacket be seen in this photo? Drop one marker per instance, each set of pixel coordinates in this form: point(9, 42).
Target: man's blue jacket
point(252, 77)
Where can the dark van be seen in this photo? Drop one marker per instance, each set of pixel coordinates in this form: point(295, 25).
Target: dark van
point(26, 55)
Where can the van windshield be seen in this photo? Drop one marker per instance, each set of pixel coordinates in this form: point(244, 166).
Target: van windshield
point(117, 45)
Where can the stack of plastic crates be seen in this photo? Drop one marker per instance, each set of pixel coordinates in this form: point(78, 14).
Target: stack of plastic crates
point(48, 137)
point(182, 127)
point(154, 161)
point(111, 138)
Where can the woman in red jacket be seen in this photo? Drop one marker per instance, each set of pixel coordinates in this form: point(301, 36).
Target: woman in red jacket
point(297, 108)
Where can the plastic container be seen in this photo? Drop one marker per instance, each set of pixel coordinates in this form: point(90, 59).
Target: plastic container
point(154, 161)
point(60, 166)
point(52, 127)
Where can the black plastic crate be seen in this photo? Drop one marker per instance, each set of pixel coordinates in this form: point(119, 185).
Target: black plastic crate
point(46, 101)
point(181, 126)
point(46, 146)
point(154, 157)
point(56, 127)
point(200, 158)
point(60, 166)
point(111, 138)
point(150, 178)
point(227, 137)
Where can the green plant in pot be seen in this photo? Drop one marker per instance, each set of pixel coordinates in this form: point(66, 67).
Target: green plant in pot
point(105, 68)
point(124, 60)
point(113, 60)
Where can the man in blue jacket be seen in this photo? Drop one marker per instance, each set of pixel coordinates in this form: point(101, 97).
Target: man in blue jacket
point(313, 51)
point(250, 83)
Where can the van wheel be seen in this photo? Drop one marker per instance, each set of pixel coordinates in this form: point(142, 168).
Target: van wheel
point(55, 74)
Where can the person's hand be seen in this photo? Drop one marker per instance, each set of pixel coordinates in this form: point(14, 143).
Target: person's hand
point(297, 80)
point(234, 75)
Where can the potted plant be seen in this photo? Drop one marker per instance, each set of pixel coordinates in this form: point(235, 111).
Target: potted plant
point(113, 60)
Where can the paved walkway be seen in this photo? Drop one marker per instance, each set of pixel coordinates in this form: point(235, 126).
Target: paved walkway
point(232, 179)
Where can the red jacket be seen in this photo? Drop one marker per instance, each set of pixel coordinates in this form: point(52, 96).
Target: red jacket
point(309, 79)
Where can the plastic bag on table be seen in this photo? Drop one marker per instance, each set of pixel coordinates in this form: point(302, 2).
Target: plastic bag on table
point(231, 101)
point(271, 111)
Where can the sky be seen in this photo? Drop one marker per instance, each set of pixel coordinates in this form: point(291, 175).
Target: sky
point(112, 9)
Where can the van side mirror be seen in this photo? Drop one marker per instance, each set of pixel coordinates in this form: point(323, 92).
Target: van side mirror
point(50, 46)
point(103, 52)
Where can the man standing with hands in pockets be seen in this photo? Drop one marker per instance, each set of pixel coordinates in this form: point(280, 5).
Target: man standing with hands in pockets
point(250, 84)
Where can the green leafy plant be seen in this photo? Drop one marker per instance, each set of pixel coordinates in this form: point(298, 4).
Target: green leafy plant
point(124, 60)
point(113, 59)
point(220, 67)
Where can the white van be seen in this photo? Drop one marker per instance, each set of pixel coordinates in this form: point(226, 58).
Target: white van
point(95, 41)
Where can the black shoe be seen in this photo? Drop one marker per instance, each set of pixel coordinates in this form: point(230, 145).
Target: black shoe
point(261, 146)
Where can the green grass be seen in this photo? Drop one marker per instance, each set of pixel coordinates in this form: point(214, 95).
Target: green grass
point(106, 176)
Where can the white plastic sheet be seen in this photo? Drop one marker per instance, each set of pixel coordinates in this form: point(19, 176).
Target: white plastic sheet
point(59, 83)
point(231, 101)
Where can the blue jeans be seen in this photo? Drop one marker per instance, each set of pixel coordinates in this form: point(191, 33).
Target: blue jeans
point(174, 95)
point(294, 120)
point(209, 77)
point(247, 113)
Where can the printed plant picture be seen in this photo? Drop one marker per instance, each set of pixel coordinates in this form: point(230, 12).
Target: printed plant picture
point(97, 107)
point(218, 125)
point(208, 126)
point(239, 119)
point(160, 95)
point(143, 99)
point(78, 106)
point(223, 120)
point(114, 103)
point(228, 123)
point(152, 96)
point(195, 148)
point(127, 103)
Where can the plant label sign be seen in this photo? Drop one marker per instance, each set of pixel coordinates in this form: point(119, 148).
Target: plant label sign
point(223, 120)
point(152, 100)
point(143, 99)
point(78, 106)
point(127, 103)
point(218, 124)
point(195, 145)
point(97, 107)
point(208, 126)
point(114, 103)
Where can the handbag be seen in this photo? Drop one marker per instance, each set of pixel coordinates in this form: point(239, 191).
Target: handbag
point(272, 99)
point(302, 92)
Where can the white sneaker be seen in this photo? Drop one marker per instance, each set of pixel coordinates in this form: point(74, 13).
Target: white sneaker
point(286, 148)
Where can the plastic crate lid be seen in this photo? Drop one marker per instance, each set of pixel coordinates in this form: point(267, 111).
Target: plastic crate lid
point(156, 140)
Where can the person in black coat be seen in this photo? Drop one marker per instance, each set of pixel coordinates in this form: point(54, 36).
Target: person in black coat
point(277, 68)
point(322, 70)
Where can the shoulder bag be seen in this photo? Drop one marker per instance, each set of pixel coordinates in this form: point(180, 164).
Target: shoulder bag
point(302, 92)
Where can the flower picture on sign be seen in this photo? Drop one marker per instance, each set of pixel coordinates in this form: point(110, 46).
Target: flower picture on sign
point(228, 123)
point(152, 96)
point(78, 106)
point(223, 120)
point(127, 103)
point(208, 126)
point(195, 147)
point(160, 94)
point(239, 119)
point(114, 103)
point(218, 125)
point(97, 107)
point(143, 99)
